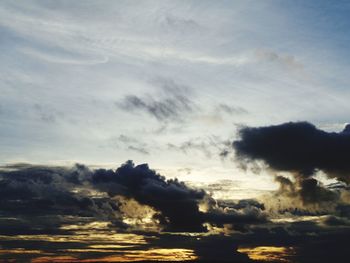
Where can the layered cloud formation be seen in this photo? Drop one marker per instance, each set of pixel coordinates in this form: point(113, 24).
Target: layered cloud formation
point(92, 211)
point(83, 193)
point(42, 202)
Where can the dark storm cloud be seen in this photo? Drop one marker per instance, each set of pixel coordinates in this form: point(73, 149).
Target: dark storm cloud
point(39, 191)
point(298, 147)
point(39, 200)
point(177, 203)
point(241, 218)
point(172, 103)
point(308, 241)
point(220, 248)
point(243, 213)
point(36, 194)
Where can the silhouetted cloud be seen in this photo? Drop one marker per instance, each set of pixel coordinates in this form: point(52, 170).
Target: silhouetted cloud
point(66, 201)
point(38, 191)
point(297, 147)
point(177, 203)
point(300, 149)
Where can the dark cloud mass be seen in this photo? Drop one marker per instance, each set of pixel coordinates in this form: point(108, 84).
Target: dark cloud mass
point(302, 150)
point(299, 147)
point(177, 203)
point(63, 203)
point(38, 191)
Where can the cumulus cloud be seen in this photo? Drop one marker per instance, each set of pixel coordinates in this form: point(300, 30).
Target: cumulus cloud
point(41, 200)
point(177, 203)
point(299, 147)
point(36, 194)
point(38, 191)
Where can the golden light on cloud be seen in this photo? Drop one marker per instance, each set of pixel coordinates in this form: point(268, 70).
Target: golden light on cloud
point(20, 251)
point(136, 214)
point(269, 253)
point(87, 237)
point(157, 254)
point(105, 246)
point(92, 225)
point(95, 238)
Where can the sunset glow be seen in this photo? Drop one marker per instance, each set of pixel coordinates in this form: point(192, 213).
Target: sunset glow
point(189, 131)
point(266, 253)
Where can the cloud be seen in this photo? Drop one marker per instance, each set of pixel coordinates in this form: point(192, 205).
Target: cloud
point(220, 248)
point(301, 150)
point(47, 114)
point(138, 149)
point(71, 202)
point(284, 60)
point(64, 57)
point(297, 147)
point(177, 203)
point(229, 109)
point(209, 146)
point(173, 102)
point(38, 195)
point(128, 143)
point(106, 195)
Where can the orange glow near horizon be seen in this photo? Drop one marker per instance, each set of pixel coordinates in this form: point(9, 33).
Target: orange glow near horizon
point(175, 254)
point(87, 237)
point(104, 246)
point(269, 253)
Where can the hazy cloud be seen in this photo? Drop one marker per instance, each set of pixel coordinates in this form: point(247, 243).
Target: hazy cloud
point(171, 103)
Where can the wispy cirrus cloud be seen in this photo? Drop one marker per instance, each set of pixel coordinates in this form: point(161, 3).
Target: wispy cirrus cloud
point(172, 102)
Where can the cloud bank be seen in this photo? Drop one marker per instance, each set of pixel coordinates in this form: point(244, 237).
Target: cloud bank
point(302, 151)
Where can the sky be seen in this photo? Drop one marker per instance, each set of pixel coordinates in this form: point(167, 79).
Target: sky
point(234, 110)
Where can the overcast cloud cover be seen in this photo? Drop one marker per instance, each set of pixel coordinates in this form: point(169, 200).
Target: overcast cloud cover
point(244, 102)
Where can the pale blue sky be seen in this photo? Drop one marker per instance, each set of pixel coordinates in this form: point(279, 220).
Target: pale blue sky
point(68, 67)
